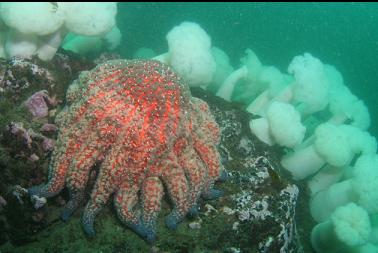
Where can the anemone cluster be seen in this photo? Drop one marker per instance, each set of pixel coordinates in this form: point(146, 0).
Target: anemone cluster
point(40, 28)
point(313, 115)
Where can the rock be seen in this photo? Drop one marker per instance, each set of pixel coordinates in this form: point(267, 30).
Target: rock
point(18, 132)
point(19, 74)
point(37, 104)
point(3, 203)
point(195, 225)
point(48, 144)
point(106, 56)
point(38, 216)
point(52, 113)
point(33, 158)
point(47, 127)
point(20, 138)
point(38, 202)
point(209, 209)
point(258, 209)
point(255, 214)
point(227, 210)
point(60, 201)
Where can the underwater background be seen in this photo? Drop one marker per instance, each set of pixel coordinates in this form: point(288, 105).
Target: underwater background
point(260, 195)
point(342, 34)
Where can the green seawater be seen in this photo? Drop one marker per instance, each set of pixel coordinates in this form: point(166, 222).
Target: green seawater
point(342, 34)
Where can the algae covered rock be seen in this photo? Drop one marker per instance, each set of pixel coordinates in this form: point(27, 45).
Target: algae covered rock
point(255, 214)
point(24, 144)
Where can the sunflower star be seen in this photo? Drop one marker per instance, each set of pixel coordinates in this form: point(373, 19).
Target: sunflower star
point(139, 120)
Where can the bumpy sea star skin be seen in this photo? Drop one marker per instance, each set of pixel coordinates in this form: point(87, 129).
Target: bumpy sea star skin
point(138, 119)
point(185, 173)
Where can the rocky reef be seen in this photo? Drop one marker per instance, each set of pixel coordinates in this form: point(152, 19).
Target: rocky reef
point(255, 214)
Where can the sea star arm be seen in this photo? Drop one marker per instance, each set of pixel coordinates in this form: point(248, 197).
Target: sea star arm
point(108, 181)
point(197, 174)
point(125, 201)
point(152, 194)
point(60, 162)
point(206, 136)
point(178, 189)
point(78, 174)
